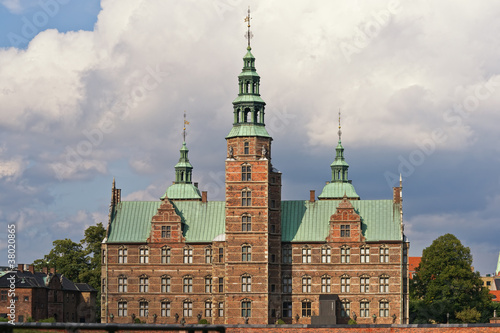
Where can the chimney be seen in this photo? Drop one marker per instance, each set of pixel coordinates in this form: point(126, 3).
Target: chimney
point(32, 269)
point(312, 196)
point(20, 268)
point(396, 195)
point(204, 196)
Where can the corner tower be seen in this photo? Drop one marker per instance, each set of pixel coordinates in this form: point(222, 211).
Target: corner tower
point(253, 200)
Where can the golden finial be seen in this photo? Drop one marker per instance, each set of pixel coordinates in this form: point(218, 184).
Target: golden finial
point(249, 34)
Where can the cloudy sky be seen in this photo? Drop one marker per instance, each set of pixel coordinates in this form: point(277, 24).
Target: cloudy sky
point(91, 90)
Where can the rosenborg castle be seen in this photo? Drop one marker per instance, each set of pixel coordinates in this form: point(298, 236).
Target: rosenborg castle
point(254, 258)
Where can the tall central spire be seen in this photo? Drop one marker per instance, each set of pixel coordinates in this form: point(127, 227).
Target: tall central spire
point(248, 107)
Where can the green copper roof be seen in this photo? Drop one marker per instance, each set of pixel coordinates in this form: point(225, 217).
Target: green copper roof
point(248, 130)
point(248, 99)
point(202, 222)
point(336, 190)
point(302, 221)
point(305, 221)
point(182, 191)
point(131, 221)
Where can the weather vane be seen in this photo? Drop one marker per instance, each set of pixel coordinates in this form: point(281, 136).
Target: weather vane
point(340, 131)
point(249, 34)
point(184, 127)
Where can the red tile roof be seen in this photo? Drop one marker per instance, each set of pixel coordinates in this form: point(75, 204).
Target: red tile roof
point(413, 263)
point(496, 295)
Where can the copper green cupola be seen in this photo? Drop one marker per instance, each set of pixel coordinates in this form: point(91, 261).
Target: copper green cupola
point(248, 107)
point(340, 185)
point(183, 188)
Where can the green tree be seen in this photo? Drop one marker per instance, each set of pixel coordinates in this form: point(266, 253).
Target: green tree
point(445, 284)
point(92, 250)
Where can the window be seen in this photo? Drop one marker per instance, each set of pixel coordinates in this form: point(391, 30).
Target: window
point(306, 308)
point(4, 295)
point(405, 255)
point(345, 308)
point(103, 256)
point(122, 284)
point(306, 255)
point(122, 309)
point(26, 298)
point(246, 148)
point(165, 309)
point(364, 254)
point(165, 284)
point(221, 285)
point(384, 284)
point(306, 284)
point(246, 253)
point(384, 254)
point(165, 255)
point(345, 284)
point(246, 223)
point(287, 284)
point(246, 283)
point(345, 254)
point(221, 309)
point(188, 255)
point(345, 231)
point(364, 282)
point(187, 284)
point(208, 255)
point(103, 286)
point(122, 255)
point(208, 309)
point(208, 284)
point(246, 198)
point(364, 308)
point(287, 309)
point(166, 231)
point(246, 308)
point(221, 254)
point(287, 254)
point(326, 284)
point(143, 309)
point(143, 255)
point(187, 308)
point(383, 308)
point(326, 255)
point(246, 172)
point(143, 284)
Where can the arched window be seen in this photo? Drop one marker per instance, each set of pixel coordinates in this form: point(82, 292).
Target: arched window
point(165, 283)
point(384, 283)
point(364, 308)
point(246, 308)
point(165, 255)
point(246, 197)
point(345, 308)
point(187, 308)
point(122, 255)
point(122, 308)
point(345, 254)
point(326, 282)
point(384, 254)
point(364, 254)
point(326, 254)
point(165, 308)
point(364, 283)
point(383, 307)
point(246, 283)
point(208, 308)
point(187, 284)
point(246, 253)
point(306, 308)
point(345, 283)
point(188, 255)
point(246, 223)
